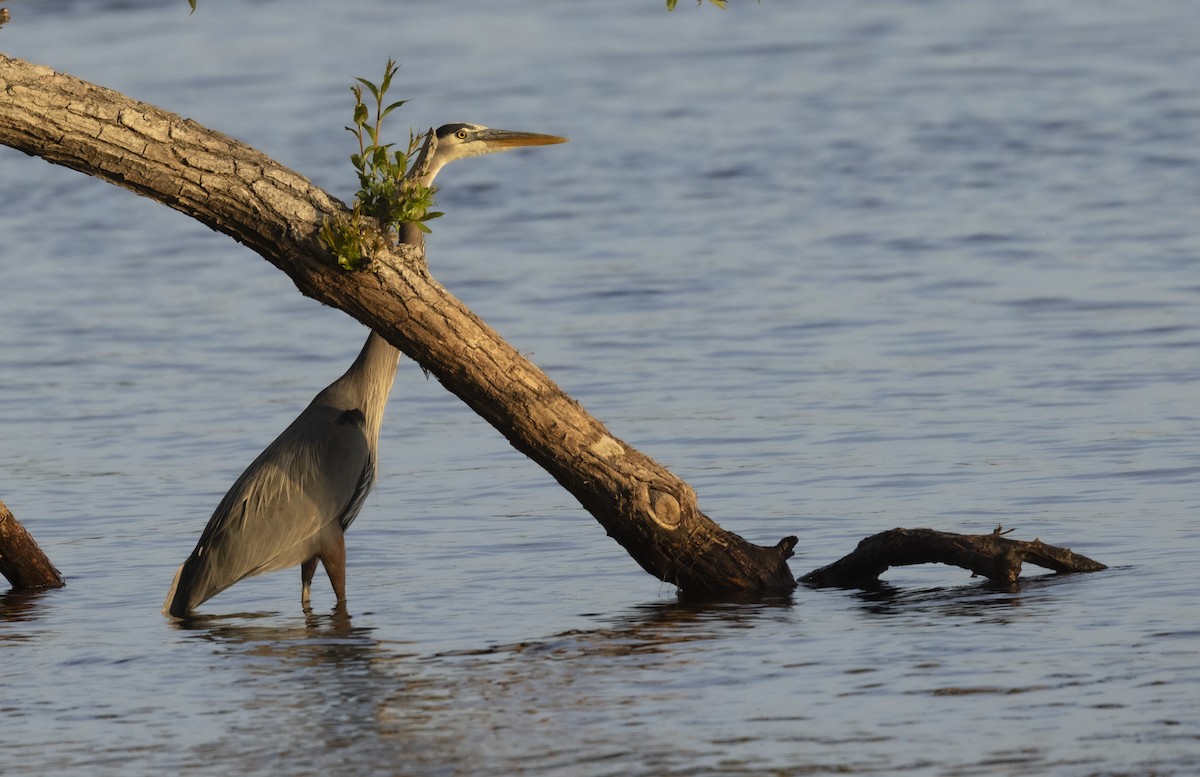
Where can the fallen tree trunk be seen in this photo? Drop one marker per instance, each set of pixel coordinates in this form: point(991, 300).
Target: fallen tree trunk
point(22, 562)
point(277, 213)
point(989, 555)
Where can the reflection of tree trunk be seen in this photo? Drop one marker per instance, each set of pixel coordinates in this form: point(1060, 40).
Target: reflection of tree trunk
point(22, 562)
point(236, 190)
point(989, 555)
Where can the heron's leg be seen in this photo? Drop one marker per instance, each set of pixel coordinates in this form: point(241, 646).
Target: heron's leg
point(307, 570)
point(334, 558)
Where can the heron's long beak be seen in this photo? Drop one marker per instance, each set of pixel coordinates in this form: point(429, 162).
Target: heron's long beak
point(499, 138)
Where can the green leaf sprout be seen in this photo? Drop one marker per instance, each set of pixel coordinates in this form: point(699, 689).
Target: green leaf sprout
point(385, 192)
point(717, 3)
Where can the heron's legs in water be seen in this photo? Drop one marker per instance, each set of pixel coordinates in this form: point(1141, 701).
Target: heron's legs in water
point(334, 560)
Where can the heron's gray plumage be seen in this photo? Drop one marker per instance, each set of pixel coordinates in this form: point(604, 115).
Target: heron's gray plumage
point(296, 499)
point(294, 502)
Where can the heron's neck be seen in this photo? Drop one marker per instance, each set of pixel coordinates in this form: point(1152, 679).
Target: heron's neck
point(409, 232)
point(427, 179)
point(428, 152)
point(370, 379)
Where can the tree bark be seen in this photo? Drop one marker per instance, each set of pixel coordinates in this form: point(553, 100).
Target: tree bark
point(277, 213)
point(988, 555)
point(22, 562)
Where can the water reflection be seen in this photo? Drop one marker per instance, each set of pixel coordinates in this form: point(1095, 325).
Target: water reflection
point(986, 311)
point(334, 628)
point(654, 627)
point(318, 686)
point(18, 606)
point(349, 701)
point(316, 653)
point(986, 601)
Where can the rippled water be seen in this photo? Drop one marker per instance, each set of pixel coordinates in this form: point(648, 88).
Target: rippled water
point(842, 266)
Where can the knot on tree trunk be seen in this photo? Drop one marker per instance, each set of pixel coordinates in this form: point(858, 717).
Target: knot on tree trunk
point(664, 508)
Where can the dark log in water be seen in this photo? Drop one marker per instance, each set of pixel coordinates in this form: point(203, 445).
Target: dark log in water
point(989, 555)
point(22, 562)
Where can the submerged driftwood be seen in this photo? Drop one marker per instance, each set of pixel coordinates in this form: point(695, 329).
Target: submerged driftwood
point(993, 556)
point(22, 562)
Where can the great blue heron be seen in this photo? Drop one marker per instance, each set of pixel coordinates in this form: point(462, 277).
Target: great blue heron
point(293, 504)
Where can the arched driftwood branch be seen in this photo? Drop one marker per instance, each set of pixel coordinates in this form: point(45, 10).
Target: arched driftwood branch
point(989, 555)
point(22, 562)
point(276, 212)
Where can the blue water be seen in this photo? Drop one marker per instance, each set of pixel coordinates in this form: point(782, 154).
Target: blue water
point(843, 267)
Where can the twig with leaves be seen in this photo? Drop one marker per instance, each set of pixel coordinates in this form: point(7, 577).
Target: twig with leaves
point(387, 194)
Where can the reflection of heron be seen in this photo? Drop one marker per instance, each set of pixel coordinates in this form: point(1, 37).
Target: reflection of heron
point(293, 504)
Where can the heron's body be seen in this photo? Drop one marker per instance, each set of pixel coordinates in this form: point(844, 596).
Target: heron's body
point(294, 503)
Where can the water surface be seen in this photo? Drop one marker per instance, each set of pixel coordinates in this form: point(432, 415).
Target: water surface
point(843, 267)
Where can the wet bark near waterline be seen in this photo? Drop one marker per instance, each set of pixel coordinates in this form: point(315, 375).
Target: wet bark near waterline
point(993, 556)
point(22, 562)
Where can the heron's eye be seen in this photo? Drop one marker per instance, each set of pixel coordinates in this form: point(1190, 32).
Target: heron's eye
point(461, 134)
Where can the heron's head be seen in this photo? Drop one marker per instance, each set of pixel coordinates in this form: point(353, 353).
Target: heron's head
point(460, 141)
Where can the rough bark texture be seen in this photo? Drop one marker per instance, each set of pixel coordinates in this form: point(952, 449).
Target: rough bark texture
point(22, 562)
point(277, 213)
point(989, 555)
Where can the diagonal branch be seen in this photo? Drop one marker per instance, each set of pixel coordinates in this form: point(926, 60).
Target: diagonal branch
point(277, 213)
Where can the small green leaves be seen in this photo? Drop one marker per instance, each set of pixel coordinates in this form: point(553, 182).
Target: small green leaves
point(360, 112)
point(717, 3)
point(343, 236)
point(352, 239)
point(391, 108)
point(385, 193)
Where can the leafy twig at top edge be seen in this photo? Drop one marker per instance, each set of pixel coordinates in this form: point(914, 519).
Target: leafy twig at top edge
point(717, 3)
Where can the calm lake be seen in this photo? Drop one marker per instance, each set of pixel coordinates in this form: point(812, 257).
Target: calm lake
point(842, 266)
